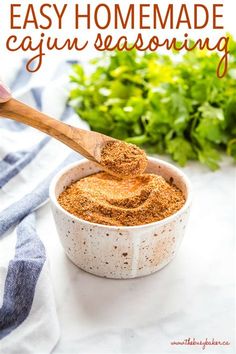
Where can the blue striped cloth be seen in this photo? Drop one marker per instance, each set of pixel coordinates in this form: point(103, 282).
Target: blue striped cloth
point(28, 161)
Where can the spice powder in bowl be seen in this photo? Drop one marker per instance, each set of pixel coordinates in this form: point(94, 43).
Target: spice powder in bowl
point(123, 159)
point(105, 199)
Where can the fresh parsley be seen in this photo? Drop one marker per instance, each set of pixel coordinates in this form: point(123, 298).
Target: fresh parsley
point(171, 106)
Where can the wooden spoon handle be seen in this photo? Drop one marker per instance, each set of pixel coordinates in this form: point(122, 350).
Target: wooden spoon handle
point(73, 137)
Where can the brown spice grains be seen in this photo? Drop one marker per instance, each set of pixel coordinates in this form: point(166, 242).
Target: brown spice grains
point(123, 159)
point(105, 199)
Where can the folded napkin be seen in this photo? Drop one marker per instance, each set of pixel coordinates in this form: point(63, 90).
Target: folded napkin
point(28, 161)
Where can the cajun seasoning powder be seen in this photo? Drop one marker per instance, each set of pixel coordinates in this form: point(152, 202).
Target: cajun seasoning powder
point(123, 159)
point(105, 199)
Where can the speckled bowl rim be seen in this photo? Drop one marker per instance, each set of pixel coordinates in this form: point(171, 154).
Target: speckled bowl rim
point(52, 196)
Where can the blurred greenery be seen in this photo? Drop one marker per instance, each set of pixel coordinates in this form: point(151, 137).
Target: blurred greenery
point(179, 107)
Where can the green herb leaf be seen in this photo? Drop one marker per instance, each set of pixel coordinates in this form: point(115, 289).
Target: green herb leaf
point(166, 105)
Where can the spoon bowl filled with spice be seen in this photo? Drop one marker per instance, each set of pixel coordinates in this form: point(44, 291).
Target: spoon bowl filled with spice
point(118, 214)
point(120, 227)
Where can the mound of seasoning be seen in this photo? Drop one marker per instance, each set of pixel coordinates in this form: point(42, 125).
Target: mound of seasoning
point(123, 159)
point(105, 199)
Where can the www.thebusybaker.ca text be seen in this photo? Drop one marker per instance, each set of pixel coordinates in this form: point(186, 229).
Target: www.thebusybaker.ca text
point(202, 343)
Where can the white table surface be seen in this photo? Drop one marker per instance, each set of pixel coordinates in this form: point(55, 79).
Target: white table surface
point(192, 297)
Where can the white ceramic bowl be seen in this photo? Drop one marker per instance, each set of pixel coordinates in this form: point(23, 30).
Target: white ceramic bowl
point(126, 251)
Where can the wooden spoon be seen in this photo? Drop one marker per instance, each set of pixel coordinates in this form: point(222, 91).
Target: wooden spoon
point(87, 143)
